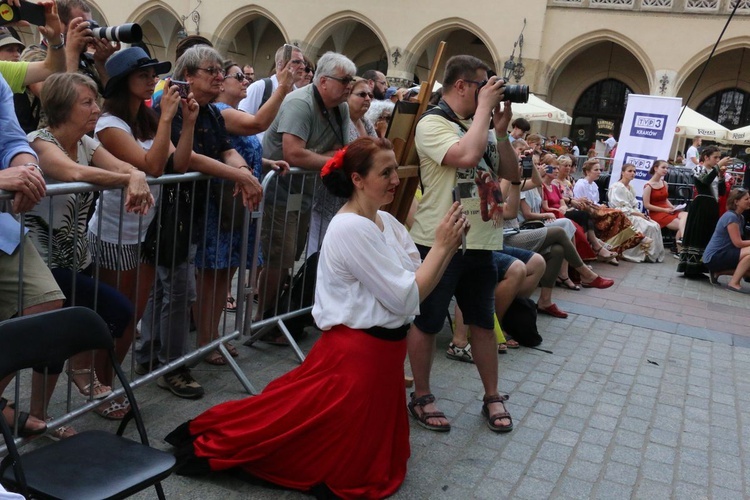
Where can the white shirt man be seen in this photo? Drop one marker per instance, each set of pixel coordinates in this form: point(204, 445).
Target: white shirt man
point(691, 157)
point(252, 103)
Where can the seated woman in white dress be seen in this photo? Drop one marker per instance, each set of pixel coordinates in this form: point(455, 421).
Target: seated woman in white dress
point(622, 197)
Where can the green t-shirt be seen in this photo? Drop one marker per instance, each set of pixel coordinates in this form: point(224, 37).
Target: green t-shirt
point(480, 190)
point(14, 73)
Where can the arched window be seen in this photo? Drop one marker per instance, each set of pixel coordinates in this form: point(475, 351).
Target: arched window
point(729, 107)
point(599, 111)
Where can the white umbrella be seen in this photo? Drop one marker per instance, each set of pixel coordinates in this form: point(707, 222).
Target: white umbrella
point(739, 136)
point(692, 124)
point(537, 109)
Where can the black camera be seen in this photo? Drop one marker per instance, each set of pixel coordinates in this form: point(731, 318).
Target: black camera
point(527, 166)
point(128, 33)
point(516, 93)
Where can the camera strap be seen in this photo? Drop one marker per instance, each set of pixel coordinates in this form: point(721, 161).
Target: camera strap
point(327, 115)
point(445, 111)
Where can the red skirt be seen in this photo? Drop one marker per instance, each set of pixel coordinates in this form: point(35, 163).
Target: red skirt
point(339, 419)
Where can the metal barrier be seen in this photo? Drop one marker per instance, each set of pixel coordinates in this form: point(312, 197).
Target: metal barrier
point(289, 205)
point(296, 210)
point(66, 241)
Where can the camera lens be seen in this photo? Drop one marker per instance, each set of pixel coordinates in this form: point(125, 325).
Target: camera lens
point(127, 33)
point(516, 93)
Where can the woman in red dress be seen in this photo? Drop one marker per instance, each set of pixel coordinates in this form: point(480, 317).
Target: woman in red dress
point(656, 200)
point(338, 423)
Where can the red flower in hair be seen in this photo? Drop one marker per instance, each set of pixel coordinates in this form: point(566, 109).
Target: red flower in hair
point(334, 163)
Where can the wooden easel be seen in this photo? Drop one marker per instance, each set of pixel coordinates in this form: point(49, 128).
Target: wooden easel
point(402, 138)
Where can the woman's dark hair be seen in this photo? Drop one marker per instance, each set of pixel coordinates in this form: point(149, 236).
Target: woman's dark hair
point(733, 197)
point(357, 159)
point(143, 124)
point(708, 151)
point(655, 165)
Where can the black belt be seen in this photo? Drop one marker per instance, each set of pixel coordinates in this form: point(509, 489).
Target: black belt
point(393, 334)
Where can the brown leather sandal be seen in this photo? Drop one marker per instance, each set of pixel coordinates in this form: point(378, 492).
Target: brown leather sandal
point(422, 417)
point(488, 400)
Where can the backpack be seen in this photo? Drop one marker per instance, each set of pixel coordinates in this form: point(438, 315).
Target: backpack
point(520, 322)
point(299, 294)
point(267, 91)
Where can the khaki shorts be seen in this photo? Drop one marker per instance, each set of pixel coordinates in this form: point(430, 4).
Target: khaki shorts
point(283, 236)
point(39, 286)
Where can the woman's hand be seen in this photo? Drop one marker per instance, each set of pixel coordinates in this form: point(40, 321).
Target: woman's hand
point(548, 216)
point(138, 198)
point(250, 188)
point(450, 230)
point(170, 101)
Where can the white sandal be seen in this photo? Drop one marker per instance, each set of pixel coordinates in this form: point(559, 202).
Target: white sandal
point(114, 406)
point(100, 391)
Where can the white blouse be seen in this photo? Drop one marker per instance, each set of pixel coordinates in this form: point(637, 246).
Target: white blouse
point(623, 198)
point(366, 277)
point(586, 189)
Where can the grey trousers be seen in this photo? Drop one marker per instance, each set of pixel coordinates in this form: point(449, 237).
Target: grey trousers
point(166, 319)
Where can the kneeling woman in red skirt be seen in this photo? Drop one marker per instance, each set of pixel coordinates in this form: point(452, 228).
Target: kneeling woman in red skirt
point(338, 421)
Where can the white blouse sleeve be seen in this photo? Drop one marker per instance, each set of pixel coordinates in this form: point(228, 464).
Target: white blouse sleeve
point(356, 247)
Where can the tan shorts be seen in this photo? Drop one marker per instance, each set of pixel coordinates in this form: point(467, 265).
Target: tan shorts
point(39, 285)
point(283, 236)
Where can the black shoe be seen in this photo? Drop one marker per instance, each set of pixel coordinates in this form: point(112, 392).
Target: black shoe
point(181, 383)
point(144, 368)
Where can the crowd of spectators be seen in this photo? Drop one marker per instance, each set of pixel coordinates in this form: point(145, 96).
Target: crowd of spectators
point(80, 109)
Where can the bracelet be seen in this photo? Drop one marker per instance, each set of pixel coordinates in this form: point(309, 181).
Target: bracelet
point(501, 138)
point(515, 183)
point(57, 46)
point(35, 165)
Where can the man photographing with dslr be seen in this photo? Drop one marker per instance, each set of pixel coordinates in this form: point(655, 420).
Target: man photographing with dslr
point(458, 153)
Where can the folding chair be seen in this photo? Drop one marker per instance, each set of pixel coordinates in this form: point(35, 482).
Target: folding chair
point(91, 464)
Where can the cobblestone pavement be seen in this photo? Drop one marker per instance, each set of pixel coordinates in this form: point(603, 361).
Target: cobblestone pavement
point(646, 394)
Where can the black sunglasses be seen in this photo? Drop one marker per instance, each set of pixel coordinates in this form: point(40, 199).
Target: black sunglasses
point(345, 81)
point(240, 77)
point(364, 94)
point(308, 69)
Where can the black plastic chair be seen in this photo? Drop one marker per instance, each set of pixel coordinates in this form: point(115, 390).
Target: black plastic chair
point(91, 464)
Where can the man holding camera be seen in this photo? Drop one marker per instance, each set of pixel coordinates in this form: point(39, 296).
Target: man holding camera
point(460, 158)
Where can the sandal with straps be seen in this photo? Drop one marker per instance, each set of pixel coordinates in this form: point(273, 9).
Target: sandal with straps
point(488, 400)
point(566, 282)
point(422, 418)
point(99, 390)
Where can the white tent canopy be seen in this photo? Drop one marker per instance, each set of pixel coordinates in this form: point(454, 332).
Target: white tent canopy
point(739, 136)
point(692, 124)
point(538, 110)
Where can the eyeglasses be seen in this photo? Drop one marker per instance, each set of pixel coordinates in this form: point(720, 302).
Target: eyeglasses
point(213, 71)
point(345, 81)
point(364, 94)
point(240, 77)
point(297, 61)
point(478, 84)
point(308, 69)
point(381, 82)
